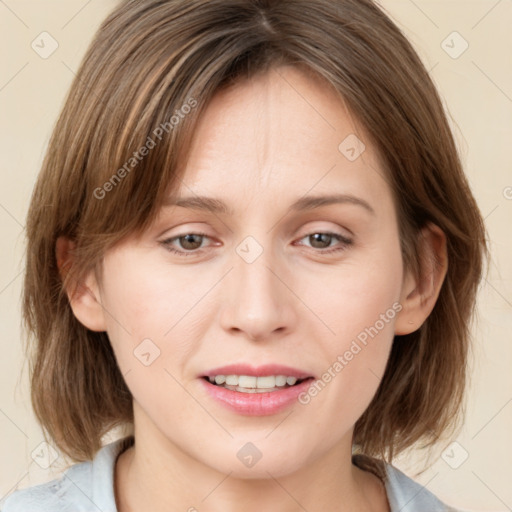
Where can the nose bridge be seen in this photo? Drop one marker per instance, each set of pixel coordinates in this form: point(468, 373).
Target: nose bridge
point(258, 302)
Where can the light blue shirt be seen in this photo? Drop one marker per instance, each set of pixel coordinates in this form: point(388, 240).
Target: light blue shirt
point(89, 487)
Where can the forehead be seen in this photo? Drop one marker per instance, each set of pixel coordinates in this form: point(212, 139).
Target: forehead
point(281, 134)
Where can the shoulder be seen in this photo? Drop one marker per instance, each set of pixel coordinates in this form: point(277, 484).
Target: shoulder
point(58, 495)
point(404, 494)
point(84, 487)
point(50, 496)
point(408, 496)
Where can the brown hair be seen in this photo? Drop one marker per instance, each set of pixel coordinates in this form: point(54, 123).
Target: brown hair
point(147, 61)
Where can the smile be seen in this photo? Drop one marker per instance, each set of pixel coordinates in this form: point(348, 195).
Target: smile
point(255, 391)
point(253, 384)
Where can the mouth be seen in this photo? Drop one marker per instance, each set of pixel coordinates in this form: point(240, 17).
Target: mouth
point(256, 391)
point(254, 384)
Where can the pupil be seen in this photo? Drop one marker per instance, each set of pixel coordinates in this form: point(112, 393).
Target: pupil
point(317, 237)
point(189, 240)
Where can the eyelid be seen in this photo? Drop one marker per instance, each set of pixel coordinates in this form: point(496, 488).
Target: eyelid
point(343, 242)
point(338, 230)
point(185, 233)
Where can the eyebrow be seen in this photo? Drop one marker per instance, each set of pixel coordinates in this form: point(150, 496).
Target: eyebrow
point(214, 205)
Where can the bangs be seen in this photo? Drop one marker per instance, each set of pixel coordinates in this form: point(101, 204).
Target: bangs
point(143, 101)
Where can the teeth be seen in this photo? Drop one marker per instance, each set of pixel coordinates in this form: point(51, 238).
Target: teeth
point(280, 380)
point(250, 382)
point(244, 381)
point(231, 380)
point(264, 382)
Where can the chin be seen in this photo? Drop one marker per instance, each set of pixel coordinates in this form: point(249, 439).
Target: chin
point(260, 458)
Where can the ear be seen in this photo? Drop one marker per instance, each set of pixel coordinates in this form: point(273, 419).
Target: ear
point(84, 297)
point(419, 294)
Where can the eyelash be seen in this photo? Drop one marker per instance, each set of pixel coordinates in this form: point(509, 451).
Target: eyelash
point(345, 242)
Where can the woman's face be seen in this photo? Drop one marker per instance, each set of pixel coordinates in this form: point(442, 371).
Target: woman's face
point(273, 278)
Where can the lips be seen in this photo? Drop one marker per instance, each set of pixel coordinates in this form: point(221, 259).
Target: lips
point(226, 384)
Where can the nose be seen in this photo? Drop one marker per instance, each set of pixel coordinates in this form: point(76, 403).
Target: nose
point(258, 300)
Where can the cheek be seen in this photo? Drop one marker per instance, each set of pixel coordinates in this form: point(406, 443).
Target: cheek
point(361, 312)
point(138, 310)
point(143, 309)
point(358, 294)
point(153, 315)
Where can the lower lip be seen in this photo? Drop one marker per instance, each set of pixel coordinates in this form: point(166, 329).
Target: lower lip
point(256, 404)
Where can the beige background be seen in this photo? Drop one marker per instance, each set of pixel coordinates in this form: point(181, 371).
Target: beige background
point(477, 90)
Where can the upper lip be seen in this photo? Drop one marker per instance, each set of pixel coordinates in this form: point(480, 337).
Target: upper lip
point(258, 371)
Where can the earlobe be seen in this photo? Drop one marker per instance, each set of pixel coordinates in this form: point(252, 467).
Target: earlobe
point(419, 294)
point(84, 295)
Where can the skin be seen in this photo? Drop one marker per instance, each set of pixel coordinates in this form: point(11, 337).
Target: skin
point(294, 305)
